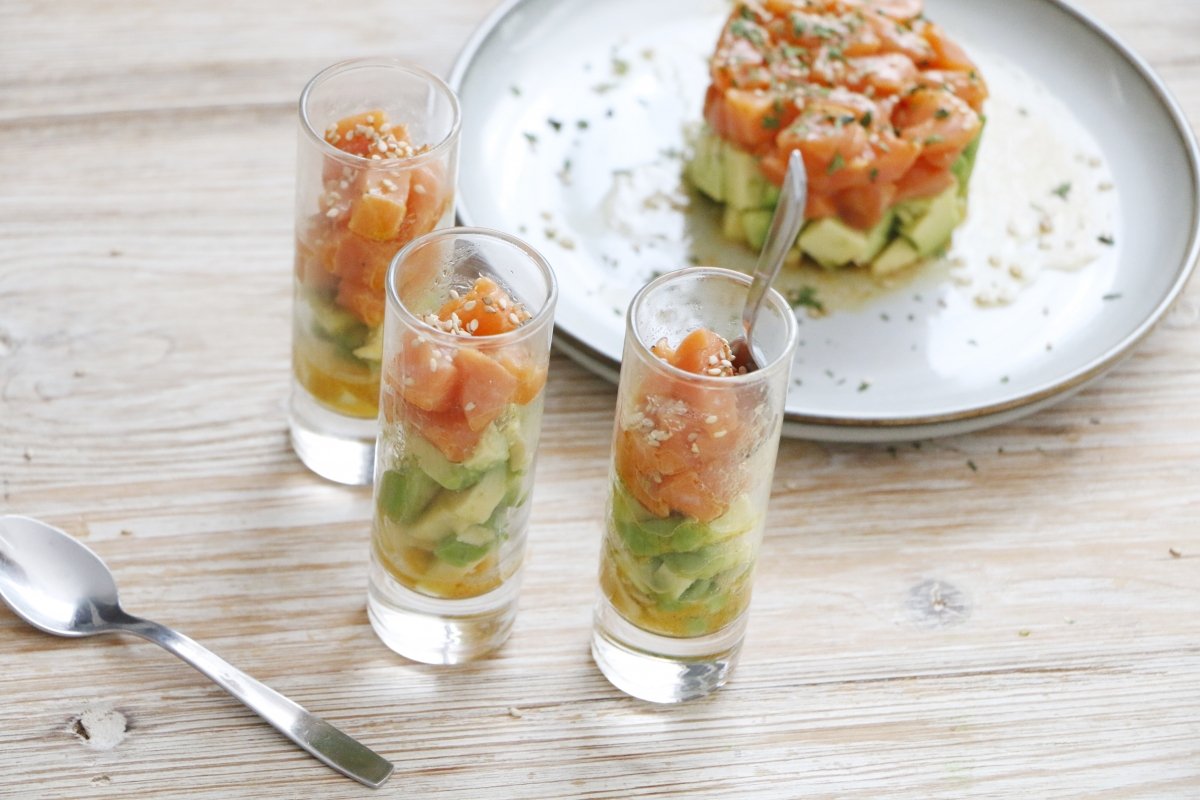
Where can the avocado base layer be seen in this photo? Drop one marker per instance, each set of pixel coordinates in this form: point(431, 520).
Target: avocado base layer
point(909, 232)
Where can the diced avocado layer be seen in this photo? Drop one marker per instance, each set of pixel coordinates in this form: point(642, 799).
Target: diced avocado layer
point(909, 231)
point(457, 512)
point(681, 566)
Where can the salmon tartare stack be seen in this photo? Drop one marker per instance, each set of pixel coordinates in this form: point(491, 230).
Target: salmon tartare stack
point(886, 109)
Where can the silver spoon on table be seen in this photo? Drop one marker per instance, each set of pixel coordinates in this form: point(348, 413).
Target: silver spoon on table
point(58, 585)
point(785, 227)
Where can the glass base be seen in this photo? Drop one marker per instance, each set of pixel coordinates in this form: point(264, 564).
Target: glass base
point(438, 631)
point(662, 669)
point(336, 447)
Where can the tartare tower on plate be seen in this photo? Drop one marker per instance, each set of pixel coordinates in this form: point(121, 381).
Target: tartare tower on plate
point(885, 108)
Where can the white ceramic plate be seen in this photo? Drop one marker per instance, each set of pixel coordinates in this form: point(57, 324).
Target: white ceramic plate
point(575, 115)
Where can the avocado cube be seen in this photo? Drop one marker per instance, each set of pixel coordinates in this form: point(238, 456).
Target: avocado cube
point(404, 494)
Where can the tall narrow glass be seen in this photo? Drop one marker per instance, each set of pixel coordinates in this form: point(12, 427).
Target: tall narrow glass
point(376, 167)
point(469, 320)
point(694, 449)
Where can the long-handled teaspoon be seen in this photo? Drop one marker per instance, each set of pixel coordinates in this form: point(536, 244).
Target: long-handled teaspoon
point(61, 587)
point(785, 227)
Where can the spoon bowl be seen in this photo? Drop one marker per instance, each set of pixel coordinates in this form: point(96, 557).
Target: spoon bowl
point(53, 582)
point(58, 585)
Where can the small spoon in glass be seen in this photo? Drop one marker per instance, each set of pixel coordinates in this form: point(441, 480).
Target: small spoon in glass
point(58, 585)
point(785, 227)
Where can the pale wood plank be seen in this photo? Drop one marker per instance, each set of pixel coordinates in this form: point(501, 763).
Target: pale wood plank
point(144, 313)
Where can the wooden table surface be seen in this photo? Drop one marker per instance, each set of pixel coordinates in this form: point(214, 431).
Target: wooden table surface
point(1025, 627)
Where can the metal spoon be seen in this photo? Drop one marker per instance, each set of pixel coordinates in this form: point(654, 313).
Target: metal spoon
point(785, 227)
point(58, 585)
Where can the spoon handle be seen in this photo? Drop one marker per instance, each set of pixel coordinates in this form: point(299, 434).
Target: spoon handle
point(785, 227)
point(318, 737)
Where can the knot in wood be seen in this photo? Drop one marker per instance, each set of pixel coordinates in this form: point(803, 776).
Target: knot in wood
point(937, 604)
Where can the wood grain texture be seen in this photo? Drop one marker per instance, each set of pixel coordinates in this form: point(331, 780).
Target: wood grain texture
point(921, 628)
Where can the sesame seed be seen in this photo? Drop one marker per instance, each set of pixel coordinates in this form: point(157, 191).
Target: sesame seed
point(719, 434)
point(419, 189)
point(489, 309)
point(432, 364)
point(514, 319)
point(715, 372)
point(473, 325)
point(408, 381)
point(469, 407)
point(469, 305)
point(331, 213)
point(712, 361)
point(503, 304)
point(696, 448)
point(711, 419)
point(487, 300)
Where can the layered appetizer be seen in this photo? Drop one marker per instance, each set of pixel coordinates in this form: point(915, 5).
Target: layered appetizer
point(885, 108)
point(461, 411)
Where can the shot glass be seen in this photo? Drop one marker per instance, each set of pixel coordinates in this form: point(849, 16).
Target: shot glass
point(376, 168)
point(466, 348)
point(693, 455)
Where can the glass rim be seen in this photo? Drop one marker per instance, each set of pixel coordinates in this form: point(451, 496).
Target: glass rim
point(535, 322)
point(401, 65)
point(772, 297)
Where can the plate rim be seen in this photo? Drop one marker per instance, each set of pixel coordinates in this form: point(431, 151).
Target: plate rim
point(960, 420)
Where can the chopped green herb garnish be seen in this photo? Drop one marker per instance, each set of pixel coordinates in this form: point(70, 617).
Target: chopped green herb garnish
point(556, 124)
point(770, 121)
point(941, 113)
point(866, 119)
point(531, 137)
point(862, 387)
point(747, 31)
point(935, 139)
point(806, 297)
point(516, 90)
point(619, 66)
point(837, 163)
point(874, 174)
point(1062, 190)
point(1106, 240)
point(1112, 296)
point(971, 464)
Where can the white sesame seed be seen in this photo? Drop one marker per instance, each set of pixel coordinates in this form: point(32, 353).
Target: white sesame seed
point(695, 448)
point(712, 361)
point(715, 372)
point(489, 309)
point(331, 213)
point(408, 381)
point(469, 407)
point(711, 419)
point(473, 325)
point(719, 434)
point(503, 304)
point(514, 319)
point(419, 189)
point(469, 305)
point(432, 364)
